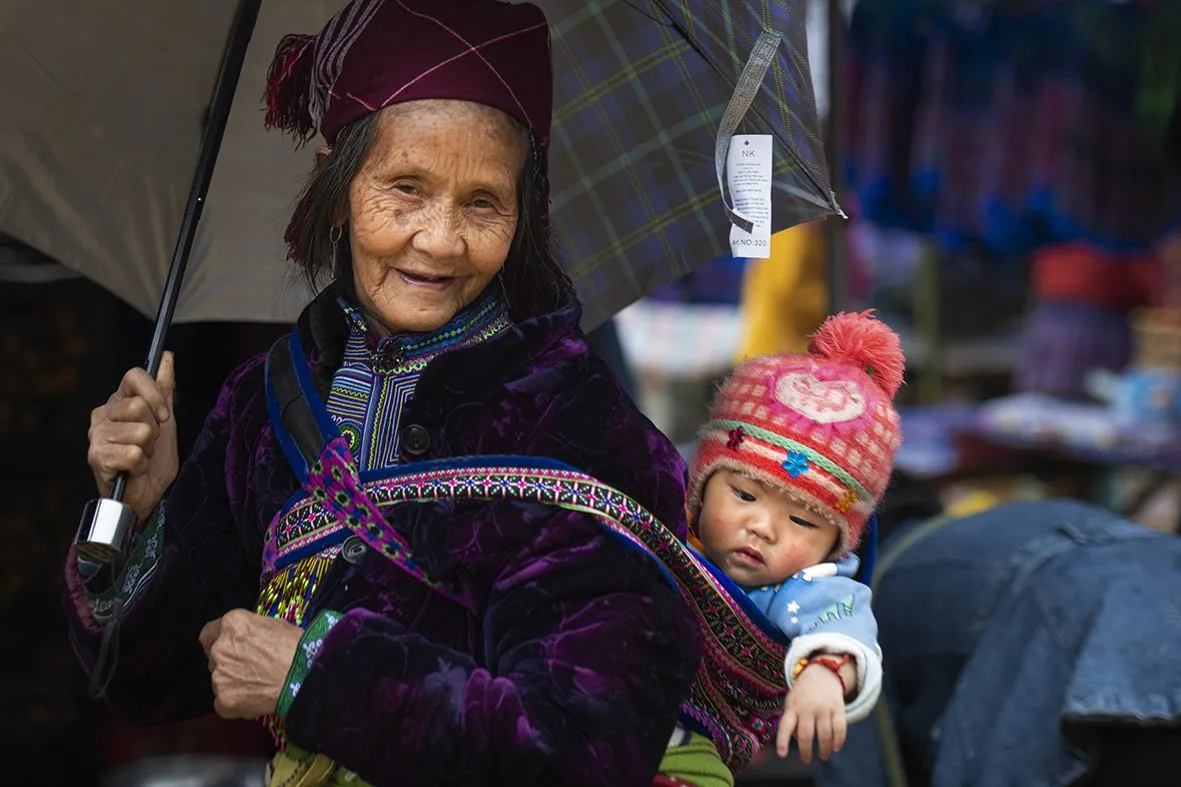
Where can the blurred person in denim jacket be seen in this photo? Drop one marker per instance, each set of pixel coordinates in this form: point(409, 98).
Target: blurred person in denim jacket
point(1033, 643)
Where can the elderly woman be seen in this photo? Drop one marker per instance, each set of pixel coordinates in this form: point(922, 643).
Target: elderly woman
point(389, 540)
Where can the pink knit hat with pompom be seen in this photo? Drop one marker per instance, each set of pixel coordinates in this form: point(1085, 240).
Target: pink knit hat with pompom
point(820, 426)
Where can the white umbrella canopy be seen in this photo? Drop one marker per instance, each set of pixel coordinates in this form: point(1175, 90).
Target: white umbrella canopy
point(106, 102)
point(100, 180)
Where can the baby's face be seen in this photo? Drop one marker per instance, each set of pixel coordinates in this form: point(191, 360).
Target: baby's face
point(756, 534)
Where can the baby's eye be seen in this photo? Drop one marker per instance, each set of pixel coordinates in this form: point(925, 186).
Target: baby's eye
point(743, 495)
point(804, 522)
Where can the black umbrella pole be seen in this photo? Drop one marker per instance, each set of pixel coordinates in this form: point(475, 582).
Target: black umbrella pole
point(107, 523)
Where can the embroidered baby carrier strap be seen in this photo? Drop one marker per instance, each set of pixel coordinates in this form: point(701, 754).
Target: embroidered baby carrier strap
point(738, 693)
point(739, 690)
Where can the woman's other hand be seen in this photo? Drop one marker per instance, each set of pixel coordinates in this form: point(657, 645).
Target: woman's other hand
point(249, 658)
point(135, 433)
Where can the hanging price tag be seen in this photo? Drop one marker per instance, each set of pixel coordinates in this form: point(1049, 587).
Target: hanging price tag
point(748, 176)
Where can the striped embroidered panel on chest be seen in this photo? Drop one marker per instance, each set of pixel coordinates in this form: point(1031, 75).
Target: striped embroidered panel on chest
point(379, 374)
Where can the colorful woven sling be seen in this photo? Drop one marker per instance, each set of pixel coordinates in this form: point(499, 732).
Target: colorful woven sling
point(738, 694)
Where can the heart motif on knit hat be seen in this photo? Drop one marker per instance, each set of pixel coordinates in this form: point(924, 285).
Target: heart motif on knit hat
point(823, 401)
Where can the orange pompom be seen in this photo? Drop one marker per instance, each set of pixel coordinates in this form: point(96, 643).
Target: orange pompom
point(858, 339)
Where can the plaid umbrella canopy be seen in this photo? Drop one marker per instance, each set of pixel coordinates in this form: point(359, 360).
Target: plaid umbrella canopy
point(107, 100)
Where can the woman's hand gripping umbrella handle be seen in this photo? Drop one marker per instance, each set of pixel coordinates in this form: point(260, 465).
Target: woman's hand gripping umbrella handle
point(133, 455)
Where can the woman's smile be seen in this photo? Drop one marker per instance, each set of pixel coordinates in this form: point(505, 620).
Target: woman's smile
point(434, 282)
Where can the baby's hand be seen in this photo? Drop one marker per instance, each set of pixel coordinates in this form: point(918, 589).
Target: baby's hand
point(815, 710)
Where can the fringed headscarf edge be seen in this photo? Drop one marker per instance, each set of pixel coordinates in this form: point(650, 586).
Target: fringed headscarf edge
point(288, 100)
point(289, 87)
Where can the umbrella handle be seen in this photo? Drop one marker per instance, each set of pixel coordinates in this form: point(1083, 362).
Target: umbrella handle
point(107, 523)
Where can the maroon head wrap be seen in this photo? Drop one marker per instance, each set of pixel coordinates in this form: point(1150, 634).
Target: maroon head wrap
point(375, 53)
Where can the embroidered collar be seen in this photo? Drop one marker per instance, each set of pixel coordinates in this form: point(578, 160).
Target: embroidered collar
point(409, 352)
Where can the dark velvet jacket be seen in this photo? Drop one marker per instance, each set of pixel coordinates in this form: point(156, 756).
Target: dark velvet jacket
point(572, 667)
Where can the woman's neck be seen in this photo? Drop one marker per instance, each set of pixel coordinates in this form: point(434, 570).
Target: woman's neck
point(374, 322)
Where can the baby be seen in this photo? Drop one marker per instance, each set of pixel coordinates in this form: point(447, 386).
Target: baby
point(796, 453)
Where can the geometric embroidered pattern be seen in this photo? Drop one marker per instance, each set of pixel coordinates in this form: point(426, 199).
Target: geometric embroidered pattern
point(378, 374)
point(305, 529)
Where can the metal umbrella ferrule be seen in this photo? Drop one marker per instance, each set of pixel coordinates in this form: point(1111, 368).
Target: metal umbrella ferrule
point(105, 530)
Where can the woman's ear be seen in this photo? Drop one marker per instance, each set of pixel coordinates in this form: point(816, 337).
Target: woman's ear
point(322, 153)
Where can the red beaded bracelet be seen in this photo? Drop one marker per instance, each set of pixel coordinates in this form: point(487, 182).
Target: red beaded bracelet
point(831, 664)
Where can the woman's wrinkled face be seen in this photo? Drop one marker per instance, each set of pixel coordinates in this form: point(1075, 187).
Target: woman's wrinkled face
point(433, 211)
point(758, 535)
